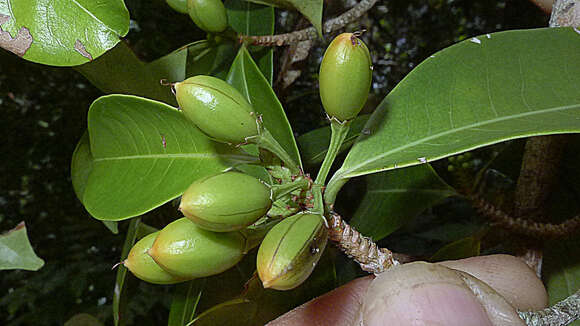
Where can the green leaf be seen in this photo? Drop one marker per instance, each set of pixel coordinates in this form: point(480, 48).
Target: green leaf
point(314, 144)
point(16, 251)
point(81, 165)
point(145, 154)
point(396, 197)
point(205, 58)
point(562, 270)
point(120, 71)
point(311, 9)
point(478, 92)
point(186, 296)
point(251, 19)
point(61, 32)
point(119, 295)
point(238, 312)
point(245, 76)
point(462, 248)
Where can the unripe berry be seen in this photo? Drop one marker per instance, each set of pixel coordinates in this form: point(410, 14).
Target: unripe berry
point(209, 15)
point(290, 251)
point(216, 108)
point(226, 202)
point(345, 77)
point(143, 266)
point(186, 250)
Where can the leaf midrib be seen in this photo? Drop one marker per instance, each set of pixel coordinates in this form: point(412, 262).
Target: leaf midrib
point(169, 156)
point(347, 172)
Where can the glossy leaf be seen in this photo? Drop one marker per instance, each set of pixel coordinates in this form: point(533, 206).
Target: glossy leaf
point(481, 91)
point(311, 9)
point(205, 58)
point(145, 154)
point(236, 311)
point(245, 76)
point(396, 197)
point(16, 251)
point(81, 167)
point(247, 18)
point(314, 144)
point(120, 71)
point(186, 296)
point(60, 32)
point(462, 248)
point(119, 295)
point(562, 270)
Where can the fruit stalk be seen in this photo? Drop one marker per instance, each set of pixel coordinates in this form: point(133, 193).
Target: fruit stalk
point(339, 130)
point(266, 141)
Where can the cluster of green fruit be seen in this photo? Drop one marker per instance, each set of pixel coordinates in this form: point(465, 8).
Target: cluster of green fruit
point(209, 15)
point(228, 214)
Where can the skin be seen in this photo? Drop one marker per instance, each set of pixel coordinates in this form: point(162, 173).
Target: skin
point(483, 290)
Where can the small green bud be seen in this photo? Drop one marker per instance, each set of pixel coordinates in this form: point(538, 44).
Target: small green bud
point(178, 5)
point(226, 202)
point(186, 250)
point(144, 267)
point(216, 108)
point(290, 251)
point(209, 15)
point(345, 77)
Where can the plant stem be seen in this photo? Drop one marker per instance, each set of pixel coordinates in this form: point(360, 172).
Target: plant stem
point(286, 188)
point(560, 314)
point(310, 33)
point(362, 249)
point(266, 141)
point(339, 130)
point(333, 187)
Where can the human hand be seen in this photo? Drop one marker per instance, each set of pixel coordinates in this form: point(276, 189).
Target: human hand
point(483, 290)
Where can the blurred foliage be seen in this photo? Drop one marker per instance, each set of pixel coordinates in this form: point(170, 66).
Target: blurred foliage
point(44, 115)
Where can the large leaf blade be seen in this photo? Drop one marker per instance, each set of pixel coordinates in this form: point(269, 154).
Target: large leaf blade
point(145, 154)
point(396, 197)
point(252, 19)
point(478, 92)
point(186, 297)
point(61, 32)
point(246, 77)
point(16, 251)
point(311, 9)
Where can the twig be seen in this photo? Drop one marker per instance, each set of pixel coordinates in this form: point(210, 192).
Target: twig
point(524, 226)
point(310, 33)
point(560, 314)
point(362, 249)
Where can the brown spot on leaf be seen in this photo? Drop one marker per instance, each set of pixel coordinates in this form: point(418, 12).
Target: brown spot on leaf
point(17, 45)
point(80, 48)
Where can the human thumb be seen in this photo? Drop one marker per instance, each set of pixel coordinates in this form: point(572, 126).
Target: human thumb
point(430, 294)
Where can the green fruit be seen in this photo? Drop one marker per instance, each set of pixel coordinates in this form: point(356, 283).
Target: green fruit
point(186, 250)
point(226, 202)
point(290, 251)
point(178, 5)
point(209, 15)
point(345, 77)
point(143, 266)
point(216, 108)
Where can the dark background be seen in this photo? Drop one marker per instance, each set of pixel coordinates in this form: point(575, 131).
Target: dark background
point(44, 114)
